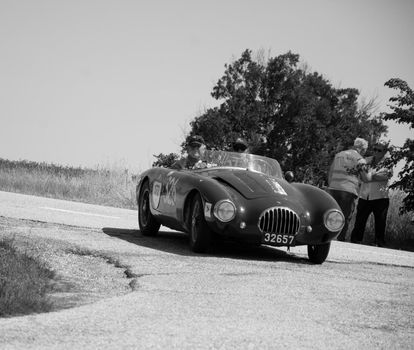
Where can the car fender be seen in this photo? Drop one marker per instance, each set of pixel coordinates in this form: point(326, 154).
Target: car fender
point(316, 200)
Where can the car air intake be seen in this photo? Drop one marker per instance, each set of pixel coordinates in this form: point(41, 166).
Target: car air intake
point(279, 220)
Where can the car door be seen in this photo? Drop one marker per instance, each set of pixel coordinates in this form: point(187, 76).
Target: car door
point(168, 192)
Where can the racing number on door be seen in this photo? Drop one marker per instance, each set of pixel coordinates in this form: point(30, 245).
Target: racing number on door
point(274, 238)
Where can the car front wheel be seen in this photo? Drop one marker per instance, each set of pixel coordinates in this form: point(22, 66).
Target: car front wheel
point(200, 235)
point(318, 253)
point(147, 223)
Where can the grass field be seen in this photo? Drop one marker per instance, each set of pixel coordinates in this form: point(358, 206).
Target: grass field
point(112, 186)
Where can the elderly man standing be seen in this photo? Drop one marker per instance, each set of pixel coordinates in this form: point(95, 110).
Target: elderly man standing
point(373, 196)
point(344, 179)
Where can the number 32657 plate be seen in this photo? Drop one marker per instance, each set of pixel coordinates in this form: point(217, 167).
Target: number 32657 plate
point(278, 239)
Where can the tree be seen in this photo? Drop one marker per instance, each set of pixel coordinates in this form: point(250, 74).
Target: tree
point(286, 113)
point(241, 110)
point(403, 113)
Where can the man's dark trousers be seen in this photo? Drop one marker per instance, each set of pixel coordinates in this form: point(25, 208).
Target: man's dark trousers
point(365, 207)
point(346, 201)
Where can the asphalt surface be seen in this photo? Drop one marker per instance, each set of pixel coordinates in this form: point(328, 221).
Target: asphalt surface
point(236, 297)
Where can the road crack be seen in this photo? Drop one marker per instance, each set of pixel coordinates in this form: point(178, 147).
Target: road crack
point(109, 259)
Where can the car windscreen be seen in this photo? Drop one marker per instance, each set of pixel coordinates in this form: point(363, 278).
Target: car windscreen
point(251, 162)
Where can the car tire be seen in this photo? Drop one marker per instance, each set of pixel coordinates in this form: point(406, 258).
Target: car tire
point(318, 253)
point(148, 225)
point(200, 235)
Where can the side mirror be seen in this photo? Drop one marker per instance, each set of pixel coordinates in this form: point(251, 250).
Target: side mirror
point(289, 176)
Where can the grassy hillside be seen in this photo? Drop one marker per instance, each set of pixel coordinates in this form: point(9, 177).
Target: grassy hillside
point(112, 187)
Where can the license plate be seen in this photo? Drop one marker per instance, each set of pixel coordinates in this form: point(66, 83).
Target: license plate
point(278, 239)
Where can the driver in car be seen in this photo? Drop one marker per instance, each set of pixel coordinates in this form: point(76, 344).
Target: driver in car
point(196, 147)
point(240, 146)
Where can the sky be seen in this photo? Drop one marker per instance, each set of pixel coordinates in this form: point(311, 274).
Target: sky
point(113, 82)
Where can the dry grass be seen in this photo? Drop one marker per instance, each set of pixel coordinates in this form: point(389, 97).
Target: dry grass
point(112, 187)
point(24, 282)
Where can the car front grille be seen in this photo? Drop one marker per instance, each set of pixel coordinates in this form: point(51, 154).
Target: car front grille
point(279, 220)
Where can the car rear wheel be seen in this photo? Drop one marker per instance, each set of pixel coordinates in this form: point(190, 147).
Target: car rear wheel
point(147, 223)
point(200, 235)
point(318, 253)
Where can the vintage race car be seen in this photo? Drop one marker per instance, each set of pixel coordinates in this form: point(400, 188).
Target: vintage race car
point(242, 196)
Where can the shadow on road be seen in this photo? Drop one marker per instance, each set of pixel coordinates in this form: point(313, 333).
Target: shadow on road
point(177, 243)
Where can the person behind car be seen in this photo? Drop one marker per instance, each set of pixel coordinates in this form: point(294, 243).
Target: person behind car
point(344, 179)
point(240, 146)
point(373, 196)
point(195, 147)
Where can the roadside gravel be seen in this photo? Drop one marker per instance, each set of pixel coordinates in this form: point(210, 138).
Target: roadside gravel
point(86, 267)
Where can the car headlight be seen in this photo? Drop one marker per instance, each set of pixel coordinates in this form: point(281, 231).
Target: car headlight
point(225, 210)
point(334, 220)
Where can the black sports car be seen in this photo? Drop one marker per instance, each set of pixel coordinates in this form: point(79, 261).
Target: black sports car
point(242, 196)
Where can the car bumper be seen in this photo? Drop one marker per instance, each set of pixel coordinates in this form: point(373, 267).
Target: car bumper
point(252, 234)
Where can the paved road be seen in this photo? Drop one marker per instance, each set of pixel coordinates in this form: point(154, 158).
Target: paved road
point(235, 298)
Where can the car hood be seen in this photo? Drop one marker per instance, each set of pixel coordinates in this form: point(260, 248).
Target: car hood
point(252, 184)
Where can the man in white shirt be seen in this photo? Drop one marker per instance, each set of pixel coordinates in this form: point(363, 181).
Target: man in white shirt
point(373, 196)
